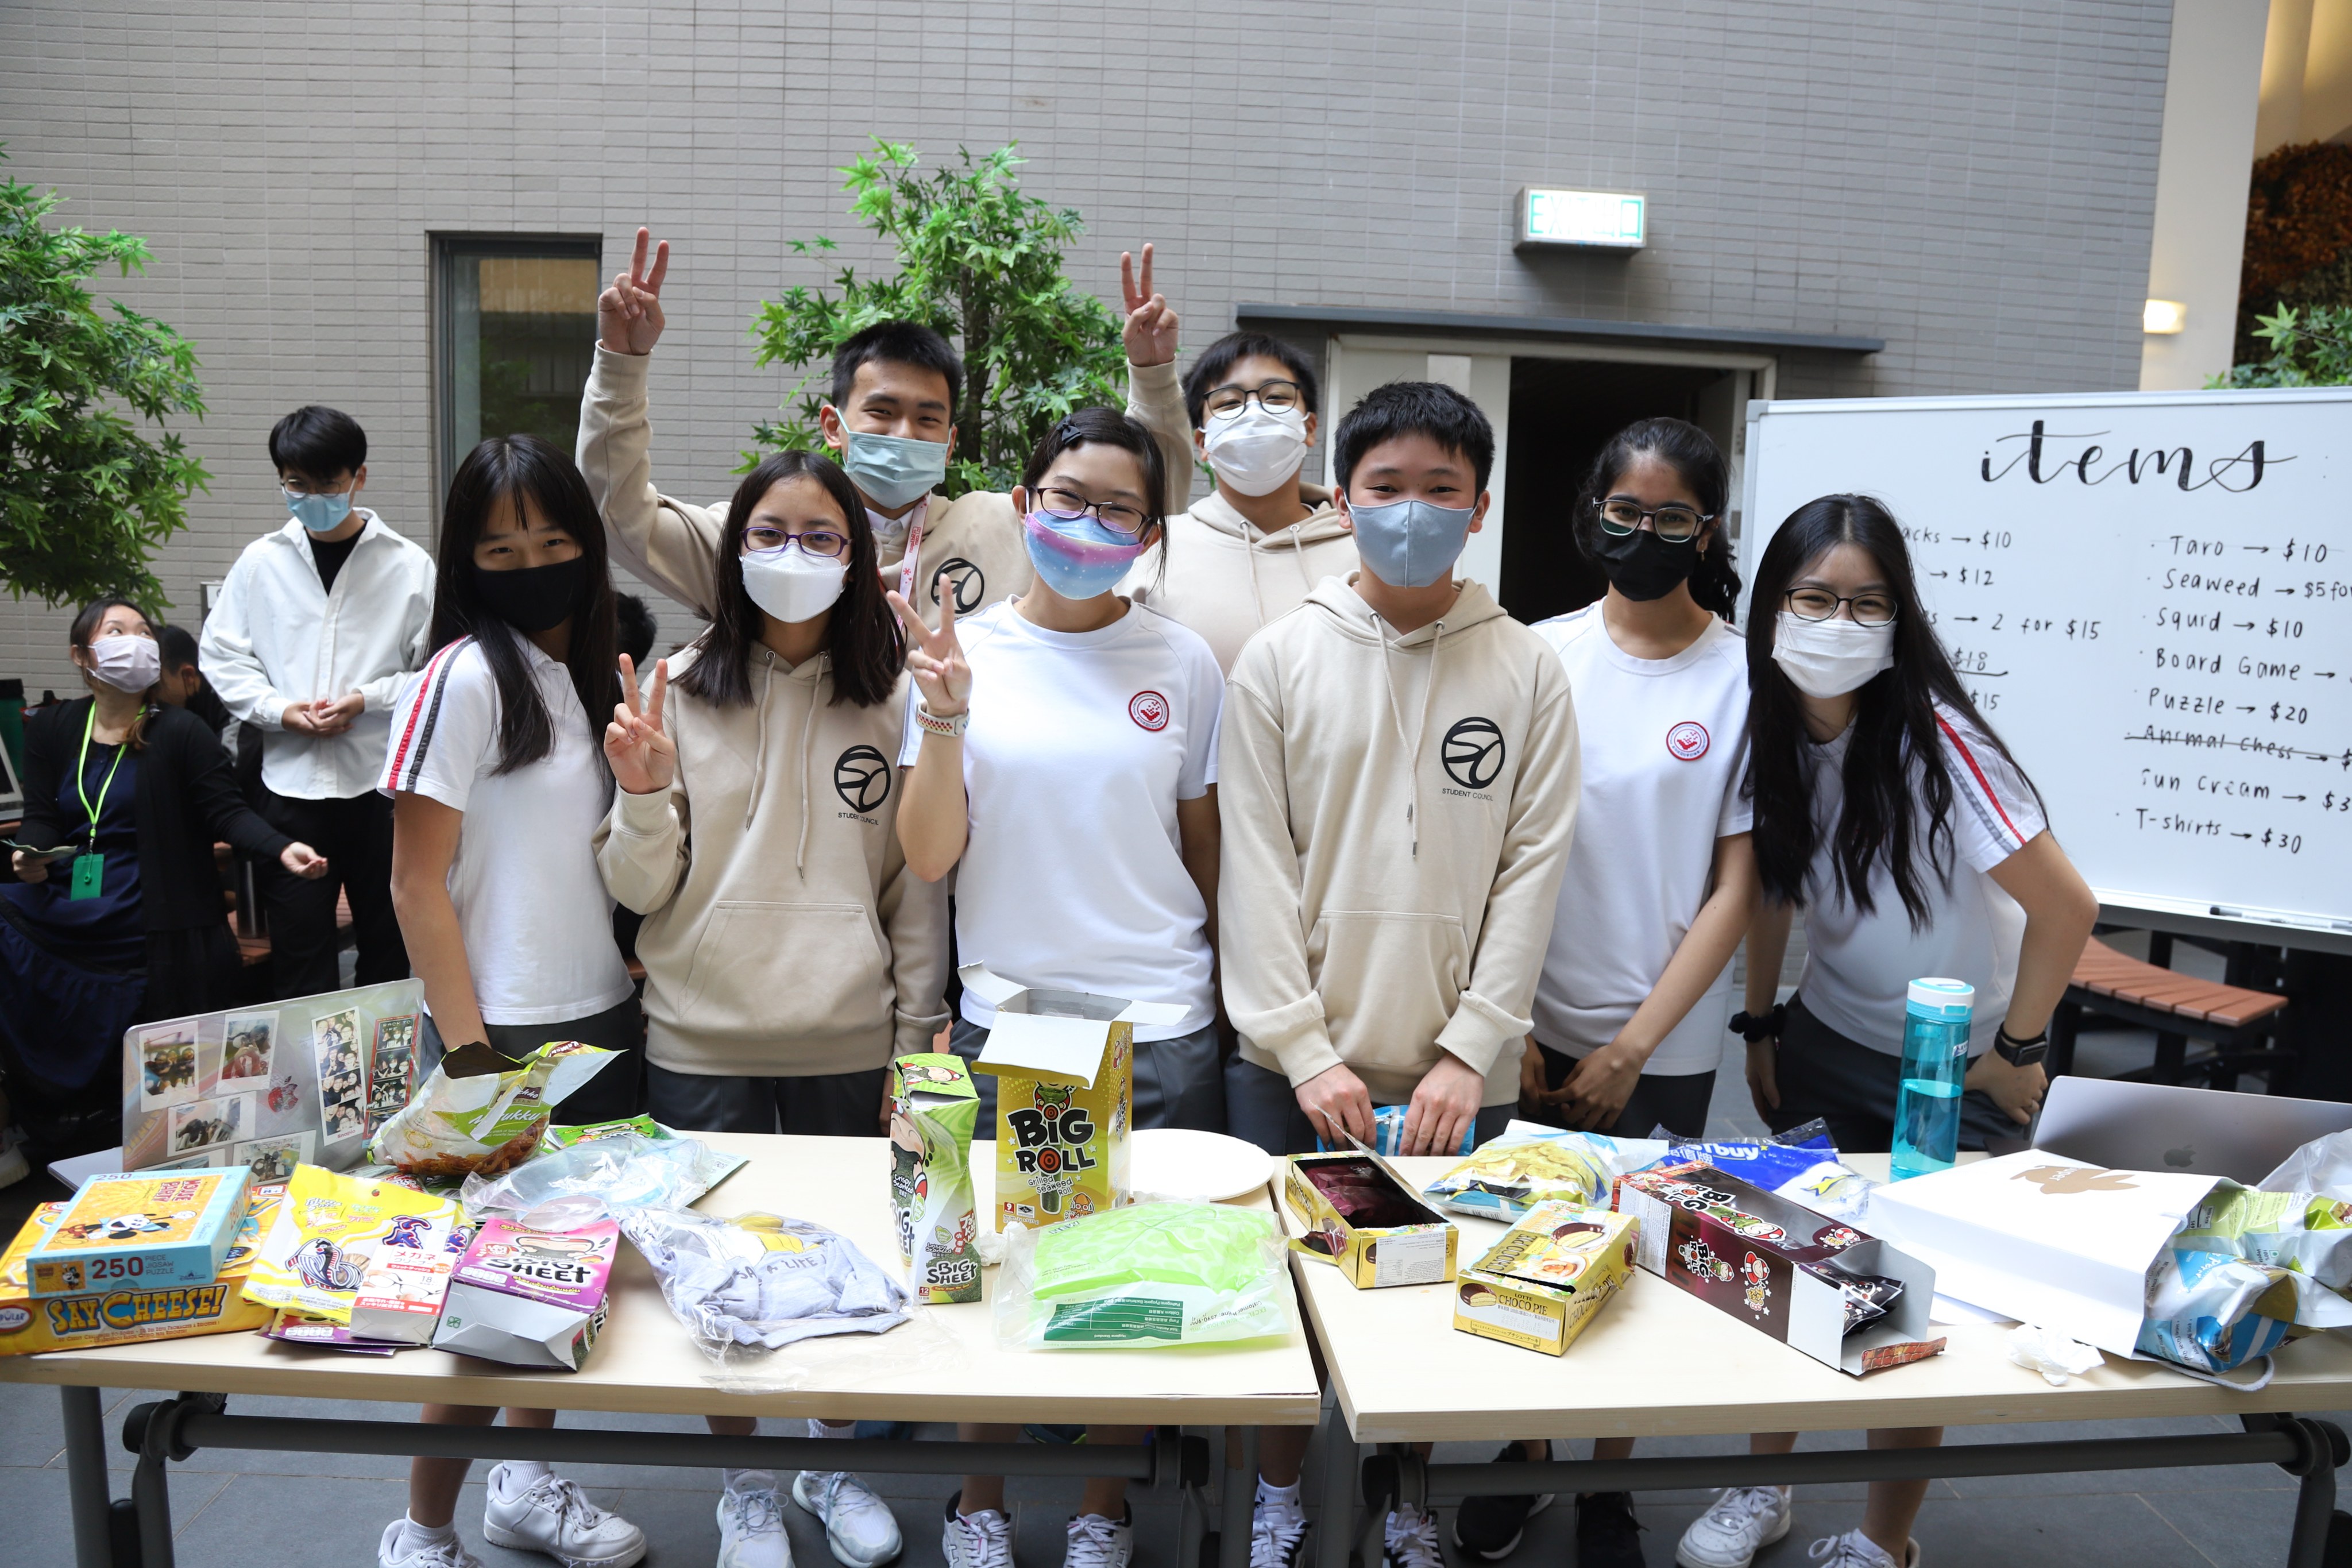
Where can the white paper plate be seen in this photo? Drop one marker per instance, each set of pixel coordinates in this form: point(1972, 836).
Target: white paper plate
point(1209, 1167)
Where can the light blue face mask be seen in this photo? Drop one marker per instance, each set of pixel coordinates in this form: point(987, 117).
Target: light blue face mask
point(318, 514)
point(1409, 544)
point(894, 470)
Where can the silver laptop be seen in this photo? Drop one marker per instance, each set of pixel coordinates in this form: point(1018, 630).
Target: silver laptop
point(2164, 1127)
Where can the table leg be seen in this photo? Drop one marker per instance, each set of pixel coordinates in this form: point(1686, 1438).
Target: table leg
point(1234, 1507)
point(1343, 1472)
point(86, 1486)
point(2315, 1504)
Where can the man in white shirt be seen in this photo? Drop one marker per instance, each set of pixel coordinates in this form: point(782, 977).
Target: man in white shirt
point(314, 633)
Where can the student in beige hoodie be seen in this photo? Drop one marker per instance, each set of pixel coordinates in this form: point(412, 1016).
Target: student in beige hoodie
point(1253, 549)
point(890, 423)
point(1398, 780)
point(789, 954)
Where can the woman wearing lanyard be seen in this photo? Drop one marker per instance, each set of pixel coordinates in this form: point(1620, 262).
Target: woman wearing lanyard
point(123, 921)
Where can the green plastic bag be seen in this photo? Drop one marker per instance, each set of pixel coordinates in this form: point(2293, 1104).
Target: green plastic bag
point(1144, 1276)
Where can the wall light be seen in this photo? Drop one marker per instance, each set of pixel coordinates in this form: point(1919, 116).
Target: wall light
point(1587, 220)
point(2164, 316)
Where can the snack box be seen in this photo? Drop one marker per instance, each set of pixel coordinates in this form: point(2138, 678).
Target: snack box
point(1548, 1277)
point(127, 1313)
point(1778, 1266)
point(300, 1327)
point(370, 1253)
point(530, 1298)
point(1363, 1216)
point(933, 1108)
point(140, 1230)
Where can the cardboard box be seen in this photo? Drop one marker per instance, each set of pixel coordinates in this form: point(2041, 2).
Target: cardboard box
point(1548, 1277)
point(1409, 1243)
point(119, 1315)
point(1064, 1063)
point(530, 1298)
point(1776, 1265)
point(141, 1231)
point(933, 1108)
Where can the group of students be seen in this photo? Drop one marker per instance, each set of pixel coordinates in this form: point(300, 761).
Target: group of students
point(1263, 757)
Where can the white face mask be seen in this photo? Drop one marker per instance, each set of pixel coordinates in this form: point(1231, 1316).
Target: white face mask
point(1832, 657)
point(127, 663)
point(792, 584)
point(1256, 451)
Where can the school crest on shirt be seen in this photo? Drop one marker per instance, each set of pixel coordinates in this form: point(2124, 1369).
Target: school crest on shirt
point(1687, 740)
point(1148, 710)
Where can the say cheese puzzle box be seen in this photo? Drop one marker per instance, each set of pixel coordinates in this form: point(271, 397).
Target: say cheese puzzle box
point(1548, 1277)
point(1065, 1068)
point(116, 1314)
point(145, 1230)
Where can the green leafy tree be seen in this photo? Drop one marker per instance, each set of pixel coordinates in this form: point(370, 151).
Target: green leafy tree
point(979, 262)
point(85, 497)
point(2309, 347)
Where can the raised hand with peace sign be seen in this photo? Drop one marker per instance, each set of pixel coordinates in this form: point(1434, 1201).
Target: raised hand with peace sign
point(629, 315)
point(642, 755)
point(1151, 330)
point(934, 657)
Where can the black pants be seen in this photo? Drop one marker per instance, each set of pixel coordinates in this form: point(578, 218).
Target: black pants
point(356, 835)
point(1676, 1102)
point(1854, 1089)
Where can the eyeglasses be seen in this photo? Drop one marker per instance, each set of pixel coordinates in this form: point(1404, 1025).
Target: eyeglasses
point(1674, 524)
point(1273, 396)
point(1873, 609)
point(820, 542)
point(1124, 521)
point(297, 492)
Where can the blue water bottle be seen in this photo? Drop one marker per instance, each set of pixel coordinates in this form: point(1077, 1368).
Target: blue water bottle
point(1934, 1064)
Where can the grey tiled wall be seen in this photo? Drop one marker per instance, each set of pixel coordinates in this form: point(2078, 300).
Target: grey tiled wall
point(1970, 181)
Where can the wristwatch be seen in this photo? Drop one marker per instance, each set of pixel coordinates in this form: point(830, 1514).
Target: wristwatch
point(2020, 1053)
point(953, 727)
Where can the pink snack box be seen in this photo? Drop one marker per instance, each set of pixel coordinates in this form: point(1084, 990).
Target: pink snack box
point(531, 1298)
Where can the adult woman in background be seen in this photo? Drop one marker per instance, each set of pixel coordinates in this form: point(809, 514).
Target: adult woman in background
point(129, 924)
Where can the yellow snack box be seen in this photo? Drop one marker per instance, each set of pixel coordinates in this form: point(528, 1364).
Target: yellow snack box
point(334, 1234)
point(120, 1314)
point(1548, 1277)
point(1362, 1216)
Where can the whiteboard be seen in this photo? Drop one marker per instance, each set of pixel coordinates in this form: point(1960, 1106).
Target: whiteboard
point(2149, 596)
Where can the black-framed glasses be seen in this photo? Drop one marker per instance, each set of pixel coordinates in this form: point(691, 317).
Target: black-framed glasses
point(1674, 524)
point(820, 542)
point(1124, 521)
point(1273, 396)
point(1870, 610)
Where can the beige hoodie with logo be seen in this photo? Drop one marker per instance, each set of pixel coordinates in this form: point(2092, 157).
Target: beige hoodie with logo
point(1396, 816)
point(975, 539)
point(784, 936)
point(1225, 580)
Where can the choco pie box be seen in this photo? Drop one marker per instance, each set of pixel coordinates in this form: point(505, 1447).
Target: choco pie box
point(530, 1298)
point(1799, 1276)
point(1548, 1277)
point(1065, 1068)
point(1361, 1215)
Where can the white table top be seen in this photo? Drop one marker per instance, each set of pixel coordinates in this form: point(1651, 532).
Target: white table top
point(1659, 1361)
point(943, 1366)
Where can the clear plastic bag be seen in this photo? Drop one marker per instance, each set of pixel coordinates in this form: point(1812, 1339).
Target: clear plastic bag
point(2322, 1165)
point(1143, 1276)
point(757, 1282)
point(601, 1179)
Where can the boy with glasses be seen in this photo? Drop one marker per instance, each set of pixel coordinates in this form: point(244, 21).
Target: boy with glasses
point(1254, 547)
point(316, 630)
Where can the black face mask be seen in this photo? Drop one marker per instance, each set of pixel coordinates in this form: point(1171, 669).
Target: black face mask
point(535, 598)
point(1641, 566)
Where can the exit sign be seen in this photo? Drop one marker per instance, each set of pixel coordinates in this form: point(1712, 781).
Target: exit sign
point(1600, 220)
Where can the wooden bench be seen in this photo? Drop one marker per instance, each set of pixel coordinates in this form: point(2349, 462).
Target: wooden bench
point(2237, 1021)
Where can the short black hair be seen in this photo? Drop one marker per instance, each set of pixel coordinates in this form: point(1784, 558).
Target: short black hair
point(1217, 361)
point(1414, 408)
point(318, 442)
point(178, 647)
point(906, 343)
point(632, 627)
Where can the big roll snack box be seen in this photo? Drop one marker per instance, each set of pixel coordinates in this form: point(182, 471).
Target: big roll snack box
point(1064, 1063)
point(1369, 1221)
point(140, 1230)
point(1780, 1267)
point(114, 1313)
point(1547, 1277)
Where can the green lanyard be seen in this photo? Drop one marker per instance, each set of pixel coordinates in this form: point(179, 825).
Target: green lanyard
point(89, 869)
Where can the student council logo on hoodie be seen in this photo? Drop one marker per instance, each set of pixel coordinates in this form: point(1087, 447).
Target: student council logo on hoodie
point(965, 581)
point(862, 778)
point(1473, 753)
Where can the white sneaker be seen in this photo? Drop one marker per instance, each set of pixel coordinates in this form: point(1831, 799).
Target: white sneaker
point(1097, 1541)
point(1278, 1533)
point(858, 1526)
point(1856, 1549)
point(982, 1540)
point(450, 1553)
point(1410, 1539)
point(1741, 1521)
point(554, 1516)
point(751, 1524)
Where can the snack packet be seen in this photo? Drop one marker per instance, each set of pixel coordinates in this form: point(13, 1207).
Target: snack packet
point(1388, 1134)
point(480, 1111)
point(1150, 1275)
point(340, 1246)
point(759, 1281)
point(2211, 1312)
point(531, 1298)
point(598, 1178)
point(1530, 1164)
point(556, 1138)
point(933, 1108)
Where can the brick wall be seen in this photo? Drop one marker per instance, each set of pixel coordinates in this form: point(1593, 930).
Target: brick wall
point(1971, 181)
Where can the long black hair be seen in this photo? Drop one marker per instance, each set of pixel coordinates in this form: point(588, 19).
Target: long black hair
point(1895, 726)
point(499, 473)
point(862, 640)
point(1107, 428)
point(1698, 462)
